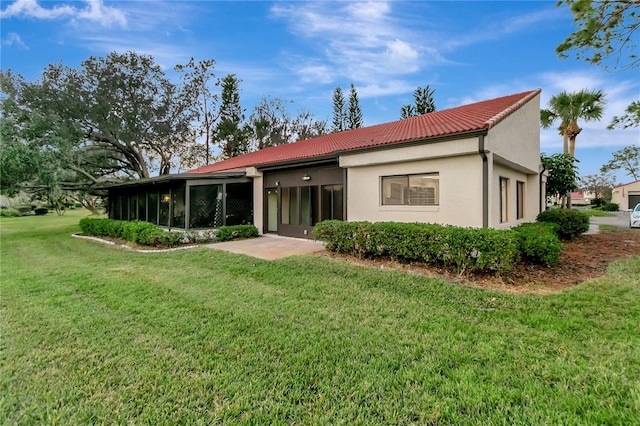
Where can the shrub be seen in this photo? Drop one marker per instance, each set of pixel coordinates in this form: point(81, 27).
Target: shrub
point(131, 231)
point(148, 234)
point(538, 243)
point(597, 202)
point(10, 213)
point(459, 249)
point(610, 207)
point(571, 223)
point(24, 208)
point(41, 211)
point(226, 233)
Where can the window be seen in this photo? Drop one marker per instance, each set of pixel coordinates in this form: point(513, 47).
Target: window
point(411, 190)
point(308, 209)
point(519, 200)
point(332, 202)
point(290, 206)
point(504, 199)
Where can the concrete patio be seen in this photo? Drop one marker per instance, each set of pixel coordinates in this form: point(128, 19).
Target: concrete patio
point(270, 247)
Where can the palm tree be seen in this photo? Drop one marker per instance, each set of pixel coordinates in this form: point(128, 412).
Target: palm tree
point(569, 108)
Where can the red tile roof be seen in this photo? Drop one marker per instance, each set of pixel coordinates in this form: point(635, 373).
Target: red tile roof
point(468, 118)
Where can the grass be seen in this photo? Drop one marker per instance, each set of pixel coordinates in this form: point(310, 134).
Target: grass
point(605, 227)
point(96, 334)
point(598, 213)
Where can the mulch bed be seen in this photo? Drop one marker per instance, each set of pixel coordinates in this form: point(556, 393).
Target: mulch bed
point(584, 258)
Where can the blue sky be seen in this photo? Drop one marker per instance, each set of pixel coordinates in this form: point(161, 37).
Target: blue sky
point(302, 51)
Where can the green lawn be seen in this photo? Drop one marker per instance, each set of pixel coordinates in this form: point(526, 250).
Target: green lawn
point(94, 334)
point(598, 213)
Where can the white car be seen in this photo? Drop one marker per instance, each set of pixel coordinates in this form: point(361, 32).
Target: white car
point(634, 217)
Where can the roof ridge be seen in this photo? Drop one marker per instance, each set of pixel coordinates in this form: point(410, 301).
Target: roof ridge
point(507, 112)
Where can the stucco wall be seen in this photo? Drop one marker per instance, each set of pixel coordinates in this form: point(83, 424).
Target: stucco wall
point(258, 195)
point(517, 137)
point(531, 196)
point(411, 153)
point(460, 190)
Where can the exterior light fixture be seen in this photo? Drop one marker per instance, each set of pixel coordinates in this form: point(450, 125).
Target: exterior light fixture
point(306, 177)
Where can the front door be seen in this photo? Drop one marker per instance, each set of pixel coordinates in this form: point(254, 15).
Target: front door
point(272, 209)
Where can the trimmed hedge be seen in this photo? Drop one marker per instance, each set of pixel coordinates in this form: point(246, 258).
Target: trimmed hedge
point(458, 249)
point(539, 243)
point(455, 248)
point(41, 211)
point(571, 223)
point(148, 234)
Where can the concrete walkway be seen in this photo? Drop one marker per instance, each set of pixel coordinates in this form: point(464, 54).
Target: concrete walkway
point(270, 247)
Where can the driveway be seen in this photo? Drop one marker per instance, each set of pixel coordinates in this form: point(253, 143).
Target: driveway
point(620, 219)
point(270, 247)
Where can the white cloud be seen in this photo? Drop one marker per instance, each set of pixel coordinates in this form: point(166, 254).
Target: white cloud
point(95, 11)
point(360, 42)
point(14, 39)
point(107, 16)
point(31, 9)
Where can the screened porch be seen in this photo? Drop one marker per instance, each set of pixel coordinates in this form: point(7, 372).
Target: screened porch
point(184, 202)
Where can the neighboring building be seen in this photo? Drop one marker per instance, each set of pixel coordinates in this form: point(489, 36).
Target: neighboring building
point(583, 197)
point(626, 195)
point(477, 165)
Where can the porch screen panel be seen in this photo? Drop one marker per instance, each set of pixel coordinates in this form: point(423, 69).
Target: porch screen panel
point(133, 207)
point(165, 204)
point(239, 204)
point(205, 206)
point(142, 206)
point(177, 198)
point(117, 208)
point(153, 208)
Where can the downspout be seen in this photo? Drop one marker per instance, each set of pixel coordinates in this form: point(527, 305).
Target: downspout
point(485, 182)
point(543, 195)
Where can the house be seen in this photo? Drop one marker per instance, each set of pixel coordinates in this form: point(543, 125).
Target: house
point(626, 195)
point(476, 165)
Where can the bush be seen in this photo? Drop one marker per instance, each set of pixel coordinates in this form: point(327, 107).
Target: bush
point(226, 233)
point(571, 223)
point(610, 207)
point(459, 249)
point(597, 202)
point(41, 211)
point(10, 213)
point(148, 234)
point(538, 243)
point(24, 208)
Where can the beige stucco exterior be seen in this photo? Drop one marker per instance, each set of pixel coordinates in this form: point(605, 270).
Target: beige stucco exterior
point(258, 196)
point(621, 193)
point(457, 192)
point(512, 150)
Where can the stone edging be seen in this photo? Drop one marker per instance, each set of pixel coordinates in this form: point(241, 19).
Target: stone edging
point(103, 241)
